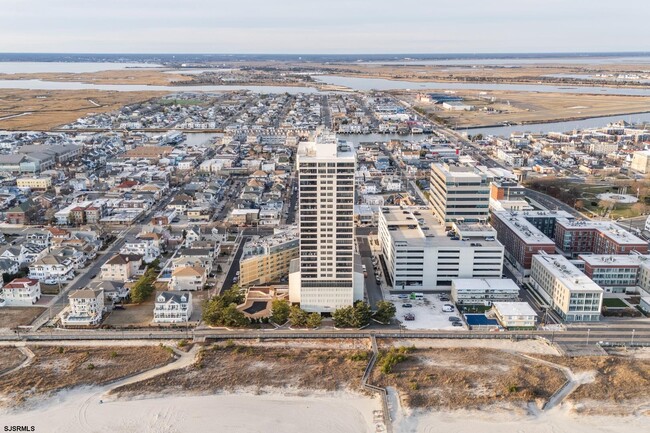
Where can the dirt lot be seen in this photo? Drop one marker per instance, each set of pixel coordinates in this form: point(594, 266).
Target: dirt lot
point(10, 358)
point(530, 107)
point(10, 317)
point(618, 380)
point(459, 378)
point(232, 367)
point(56, 368)
point(135, 315)
point(47, 109)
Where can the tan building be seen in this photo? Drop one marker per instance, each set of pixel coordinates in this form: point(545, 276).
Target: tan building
point(641, 161)
point(35, 183)
point(188, 278)
point(122, 267)
point(267, 260)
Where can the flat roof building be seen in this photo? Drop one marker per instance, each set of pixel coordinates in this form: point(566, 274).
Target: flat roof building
point(575, 237)
point(420, 255)
point(328, 277)
point(569, 292)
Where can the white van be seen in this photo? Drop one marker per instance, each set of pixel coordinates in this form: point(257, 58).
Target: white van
point(448, 308)
point(418, 296)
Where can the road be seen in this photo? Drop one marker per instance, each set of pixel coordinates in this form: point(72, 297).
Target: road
point(551, 203)
point(373, 291)
point(622, 332)
point(234, 266)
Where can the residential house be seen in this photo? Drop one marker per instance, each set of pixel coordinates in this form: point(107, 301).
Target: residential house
point(21, 292)
point(86, 308)
point(172, 307)
point(122, 267)
point(188, 278)
point(52, 269)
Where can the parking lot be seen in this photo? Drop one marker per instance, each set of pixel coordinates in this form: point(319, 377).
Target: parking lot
point(428, 313)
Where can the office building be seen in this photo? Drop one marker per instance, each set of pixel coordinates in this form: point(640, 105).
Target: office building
point(326, 276)
point(420, 255)
point(459, 193)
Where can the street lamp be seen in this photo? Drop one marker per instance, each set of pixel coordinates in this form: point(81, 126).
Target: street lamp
point(588, 331)
point(632, 340)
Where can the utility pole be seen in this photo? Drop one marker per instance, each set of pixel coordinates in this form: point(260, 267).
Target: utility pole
point(588, 331)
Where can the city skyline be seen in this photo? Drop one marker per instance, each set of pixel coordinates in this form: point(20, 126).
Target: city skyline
point(339, 27)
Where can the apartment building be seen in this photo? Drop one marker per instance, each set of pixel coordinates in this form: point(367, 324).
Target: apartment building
point(483, 291)
point(328, 277)
point(267, 259)
point(459, 192)
point(573, 295)
point(575, 237)
point(622, 273)
point(521, 240)
point(641, 161)
point(420, 255)
point(34, 183)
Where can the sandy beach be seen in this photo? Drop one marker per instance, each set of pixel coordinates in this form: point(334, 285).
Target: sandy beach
point(79, 411)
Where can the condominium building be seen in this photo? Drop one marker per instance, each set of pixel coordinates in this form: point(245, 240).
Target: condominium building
point(575, 237)
point(483, 291)
point(267, 259)
point(327, 271)
point(21, 292)
point(615, 273)
point(569, 292)
point(521, 240)
point(459, 192)
point(420, 255)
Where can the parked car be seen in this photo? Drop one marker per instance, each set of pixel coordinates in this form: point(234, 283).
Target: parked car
point(402, 296)
point(454, 319)
point(409, 316)
point(456, 324)
point(407, 305)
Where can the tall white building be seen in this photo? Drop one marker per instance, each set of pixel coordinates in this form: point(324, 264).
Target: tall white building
point(324, 277)
point(420, 255)
point(459, 192)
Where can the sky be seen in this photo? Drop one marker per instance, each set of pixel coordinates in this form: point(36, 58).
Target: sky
point(324, 26)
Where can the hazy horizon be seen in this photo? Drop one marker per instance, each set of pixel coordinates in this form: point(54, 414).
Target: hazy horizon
point(334, 27)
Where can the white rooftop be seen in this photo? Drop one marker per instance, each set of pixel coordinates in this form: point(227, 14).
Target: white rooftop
point(607, 228)
point(514, 309)
point(523, 228)
point(462, 284)
point(615, 259)
point(565, 271)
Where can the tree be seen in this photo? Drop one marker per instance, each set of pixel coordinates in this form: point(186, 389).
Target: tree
point(385, 312)
point(639, 208)
point(355, 316)
point(221, 310)
point(298, 317)
point(144, 287)
point(231, 316)
point(280, 310)
point(579, 204)
point(362, 314)
point(219, 269)
point(343, 317)
point(314, 320)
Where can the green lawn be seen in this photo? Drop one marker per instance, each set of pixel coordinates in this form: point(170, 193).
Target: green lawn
point(614, 303)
